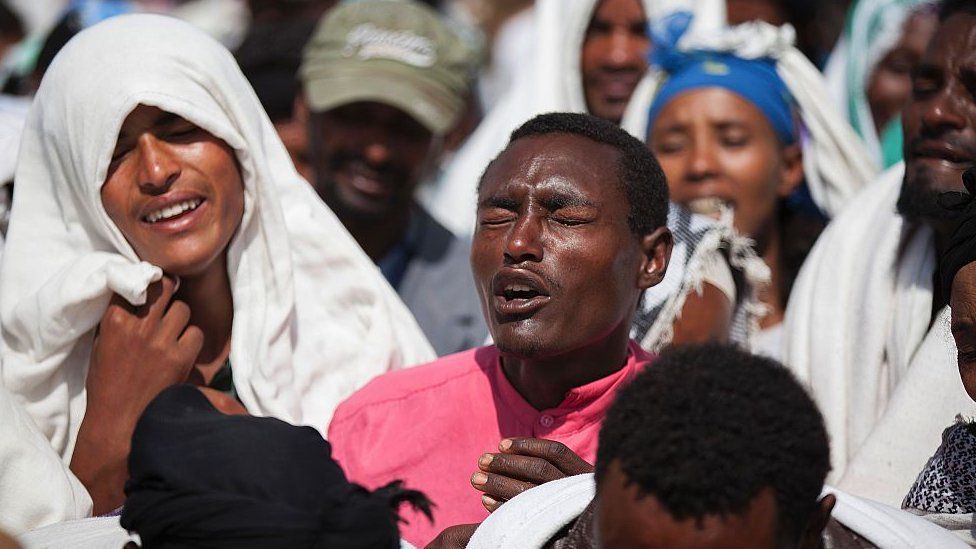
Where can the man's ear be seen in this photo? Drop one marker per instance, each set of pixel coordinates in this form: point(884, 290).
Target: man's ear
point(813, 534)
point(655, 255)
point(792, 169)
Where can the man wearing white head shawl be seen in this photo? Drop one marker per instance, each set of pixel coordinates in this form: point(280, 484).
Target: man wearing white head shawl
point(147, 152)
point(866, 327)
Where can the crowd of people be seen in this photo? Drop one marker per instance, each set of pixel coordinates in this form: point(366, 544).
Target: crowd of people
point(468, 273)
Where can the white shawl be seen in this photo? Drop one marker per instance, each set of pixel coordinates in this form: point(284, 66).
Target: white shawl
point(835, 161)
point(313, 318)
point(532, 518)
point(925, 402)
point(858, 313)
point(36, 487)
point(550, 81)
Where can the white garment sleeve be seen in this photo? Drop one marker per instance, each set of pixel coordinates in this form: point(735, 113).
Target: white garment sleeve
point(36, 487)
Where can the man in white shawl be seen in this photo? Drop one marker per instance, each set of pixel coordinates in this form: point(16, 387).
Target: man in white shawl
point(161, 234)
point(864, 327)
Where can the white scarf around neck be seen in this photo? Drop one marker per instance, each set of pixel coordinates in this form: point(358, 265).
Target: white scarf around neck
point(858, 314)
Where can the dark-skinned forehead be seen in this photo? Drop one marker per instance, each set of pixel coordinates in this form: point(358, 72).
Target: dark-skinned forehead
point(956, 43)
point(574, 157)
point(148, 117)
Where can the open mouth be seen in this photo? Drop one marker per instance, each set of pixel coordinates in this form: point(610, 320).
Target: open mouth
point(711, 206)
point(519, 293)
point(940, 152)
point(173, 211)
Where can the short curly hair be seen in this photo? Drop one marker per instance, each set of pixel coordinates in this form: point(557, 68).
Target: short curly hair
point(638, 172)
point(707, 427)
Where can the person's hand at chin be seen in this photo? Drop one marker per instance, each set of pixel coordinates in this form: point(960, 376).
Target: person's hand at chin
point(137, 352)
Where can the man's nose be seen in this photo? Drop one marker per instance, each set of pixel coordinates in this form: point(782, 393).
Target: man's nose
point(941, 112)
point(625, 50)
point(158, 166)
point(524, 241)
point(377, 151)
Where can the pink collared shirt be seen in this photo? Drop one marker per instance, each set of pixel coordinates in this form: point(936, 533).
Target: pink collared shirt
point(428, 425)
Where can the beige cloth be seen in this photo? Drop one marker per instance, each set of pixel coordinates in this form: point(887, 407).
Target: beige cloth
point(858, 333)
point(36, 488)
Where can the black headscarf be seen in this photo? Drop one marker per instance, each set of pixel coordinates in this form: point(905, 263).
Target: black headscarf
point(961, 248)
point(198, 477)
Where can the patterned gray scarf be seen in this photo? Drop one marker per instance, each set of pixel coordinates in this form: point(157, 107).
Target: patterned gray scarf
point(947, 484)
point(696, 237)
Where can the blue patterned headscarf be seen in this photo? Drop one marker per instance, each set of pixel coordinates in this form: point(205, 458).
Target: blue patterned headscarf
point(755, 80)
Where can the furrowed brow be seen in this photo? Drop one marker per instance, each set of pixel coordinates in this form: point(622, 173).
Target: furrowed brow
point(168, 119)
point(557, 202)
point(498, 202)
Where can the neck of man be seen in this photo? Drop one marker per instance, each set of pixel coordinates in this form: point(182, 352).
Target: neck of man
point(771, 251)
point(380, 234)
point(544, 382)
point(212, 310)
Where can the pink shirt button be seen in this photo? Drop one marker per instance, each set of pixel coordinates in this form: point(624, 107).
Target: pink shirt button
point(546, 421)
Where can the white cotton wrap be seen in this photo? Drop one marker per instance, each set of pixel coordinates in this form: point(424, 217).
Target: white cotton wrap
point(856, 321)
point(550, 81)
point(36, 487)
point(532, 518)
point(313, 318)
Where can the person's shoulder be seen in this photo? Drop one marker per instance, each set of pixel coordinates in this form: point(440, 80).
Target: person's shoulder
point(437, 380)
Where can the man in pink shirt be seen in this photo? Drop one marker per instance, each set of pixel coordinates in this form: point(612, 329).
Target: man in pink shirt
point(571, 230)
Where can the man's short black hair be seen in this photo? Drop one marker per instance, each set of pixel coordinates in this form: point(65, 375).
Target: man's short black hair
point(707, 427)
point(638, 171)
point(951, 7)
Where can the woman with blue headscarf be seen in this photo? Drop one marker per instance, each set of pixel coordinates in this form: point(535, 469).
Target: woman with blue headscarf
point(728, 133)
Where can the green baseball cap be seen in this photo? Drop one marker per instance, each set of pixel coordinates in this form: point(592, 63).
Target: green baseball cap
point(397, 52)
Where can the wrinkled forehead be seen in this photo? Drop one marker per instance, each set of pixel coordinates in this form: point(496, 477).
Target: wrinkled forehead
point(568, 159)
point(956, 45)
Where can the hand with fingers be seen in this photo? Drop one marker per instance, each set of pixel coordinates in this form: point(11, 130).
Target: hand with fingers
point(138, 352)
point(523, 463)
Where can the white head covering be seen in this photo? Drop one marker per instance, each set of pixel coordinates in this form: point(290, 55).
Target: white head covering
point(550, 81)
point(835, 161)
point(313, 318)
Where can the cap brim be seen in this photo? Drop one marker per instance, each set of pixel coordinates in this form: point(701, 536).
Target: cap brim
point(425, 106)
